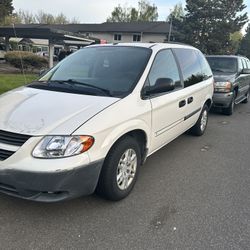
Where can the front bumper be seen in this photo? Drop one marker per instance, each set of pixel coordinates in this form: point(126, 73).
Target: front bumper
point(51, 186)
point(222, 100)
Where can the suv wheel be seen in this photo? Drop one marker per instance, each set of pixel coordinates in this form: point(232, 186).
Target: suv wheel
point(120, 169)
point(247, 97)
point(230, 109)
point(200, 126)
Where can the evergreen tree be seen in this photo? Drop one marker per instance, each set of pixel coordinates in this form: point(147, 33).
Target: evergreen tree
point(208, 24)
point(6, 10)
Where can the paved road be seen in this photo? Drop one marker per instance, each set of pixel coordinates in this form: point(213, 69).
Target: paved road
point(192, 194)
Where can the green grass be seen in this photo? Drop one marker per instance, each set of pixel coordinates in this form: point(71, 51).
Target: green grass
point(11, 81)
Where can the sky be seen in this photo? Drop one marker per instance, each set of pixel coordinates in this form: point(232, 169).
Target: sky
point(89, 11)
point(94, 11)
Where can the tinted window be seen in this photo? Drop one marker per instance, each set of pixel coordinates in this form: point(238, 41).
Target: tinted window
point(164, 66)
point(205, 68)
point(240, 65)
point(190, 66)
point(116, 69)
point(244, 61)
point(223, 64)
point(248, 64)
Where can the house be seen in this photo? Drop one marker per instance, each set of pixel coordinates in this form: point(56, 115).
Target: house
point(121, 31)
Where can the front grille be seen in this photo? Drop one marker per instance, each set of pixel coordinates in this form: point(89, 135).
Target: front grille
point(13, 138)
point(4, 154)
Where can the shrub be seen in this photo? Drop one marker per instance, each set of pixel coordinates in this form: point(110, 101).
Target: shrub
point(28, 59)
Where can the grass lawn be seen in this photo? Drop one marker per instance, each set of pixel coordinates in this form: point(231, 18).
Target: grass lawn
point(11, 81)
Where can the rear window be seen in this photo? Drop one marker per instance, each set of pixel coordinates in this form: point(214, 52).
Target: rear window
point(190, 66)
point(223, 64)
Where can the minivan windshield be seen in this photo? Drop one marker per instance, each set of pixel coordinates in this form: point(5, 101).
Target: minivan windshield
point(101, 70)
point(223, 64)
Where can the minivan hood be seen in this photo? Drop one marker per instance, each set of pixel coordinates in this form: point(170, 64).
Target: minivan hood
point(41, 112)
point(223, 77)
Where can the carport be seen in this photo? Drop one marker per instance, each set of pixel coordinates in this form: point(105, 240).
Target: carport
point(55, 34)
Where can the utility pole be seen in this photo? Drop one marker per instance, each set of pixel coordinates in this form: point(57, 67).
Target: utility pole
point(170, 27)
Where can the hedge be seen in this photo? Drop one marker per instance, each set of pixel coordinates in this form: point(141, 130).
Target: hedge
point(28, 59)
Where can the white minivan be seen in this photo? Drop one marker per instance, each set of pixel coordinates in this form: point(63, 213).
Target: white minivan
point(91, 121)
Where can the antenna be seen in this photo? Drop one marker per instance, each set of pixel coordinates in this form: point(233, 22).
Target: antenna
point(20, 56)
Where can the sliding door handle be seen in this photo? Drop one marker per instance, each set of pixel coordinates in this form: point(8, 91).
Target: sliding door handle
point(190, 99)
point(182, 103)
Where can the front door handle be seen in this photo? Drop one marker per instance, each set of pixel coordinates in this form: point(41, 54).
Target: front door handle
point(182, 103)
point(190, 99)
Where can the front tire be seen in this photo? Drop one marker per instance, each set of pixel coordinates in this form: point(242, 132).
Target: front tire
point(200, 126)
point(230, 109)
point(120, 170)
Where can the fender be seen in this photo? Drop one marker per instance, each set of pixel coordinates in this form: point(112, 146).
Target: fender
point(103, 146)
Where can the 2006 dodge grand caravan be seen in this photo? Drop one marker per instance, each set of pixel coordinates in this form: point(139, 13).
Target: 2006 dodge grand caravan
point(92, 120)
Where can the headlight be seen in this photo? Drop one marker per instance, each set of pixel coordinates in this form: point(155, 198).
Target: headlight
point(224, 87)
point(62, 146)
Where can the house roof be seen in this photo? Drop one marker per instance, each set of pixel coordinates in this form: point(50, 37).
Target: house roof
point(41, 31)
point(126, 27)
point(57, 31)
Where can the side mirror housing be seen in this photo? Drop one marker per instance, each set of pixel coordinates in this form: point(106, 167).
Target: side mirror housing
point(162, 85)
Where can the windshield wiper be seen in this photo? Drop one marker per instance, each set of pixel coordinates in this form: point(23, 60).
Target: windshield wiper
point(71, 82)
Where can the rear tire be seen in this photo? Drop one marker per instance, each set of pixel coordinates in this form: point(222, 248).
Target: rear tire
point(200, 126)
point(120, 170)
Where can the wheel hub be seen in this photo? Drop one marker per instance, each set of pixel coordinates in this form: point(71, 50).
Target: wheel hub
point(126, 169)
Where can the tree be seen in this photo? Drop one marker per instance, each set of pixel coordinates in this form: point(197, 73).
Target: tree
point(208, 25)
point(26, 17)
point(144, 12)
point(177, 13)
point(234, 44)
point(245, 44)
point(6, 10)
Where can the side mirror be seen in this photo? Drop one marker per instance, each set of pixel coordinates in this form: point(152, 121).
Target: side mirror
point(245, 71)
point(162, 85)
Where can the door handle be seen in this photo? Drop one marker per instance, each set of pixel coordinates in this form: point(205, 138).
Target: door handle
point(182, 103)
point(190, 99)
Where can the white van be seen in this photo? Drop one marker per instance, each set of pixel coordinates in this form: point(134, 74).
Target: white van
point(90, 122)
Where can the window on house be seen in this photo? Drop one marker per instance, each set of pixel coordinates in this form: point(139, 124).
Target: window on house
point(136, 38)
point(117, 37)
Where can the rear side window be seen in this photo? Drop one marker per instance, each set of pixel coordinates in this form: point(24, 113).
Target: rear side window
point(205, 68)
point(244, 63)
point(190, 66)
point(248, 64)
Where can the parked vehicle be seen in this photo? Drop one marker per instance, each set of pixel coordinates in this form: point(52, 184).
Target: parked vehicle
point(232, 79)
point(91, 121)
point(46, 54)
point(2, 51)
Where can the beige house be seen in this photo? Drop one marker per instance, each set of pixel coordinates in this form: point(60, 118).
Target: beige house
point(120, 31)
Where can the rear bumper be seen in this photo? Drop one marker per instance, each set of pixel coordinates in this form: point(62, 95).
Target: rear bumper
point(51, 186)
point(222, 100)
